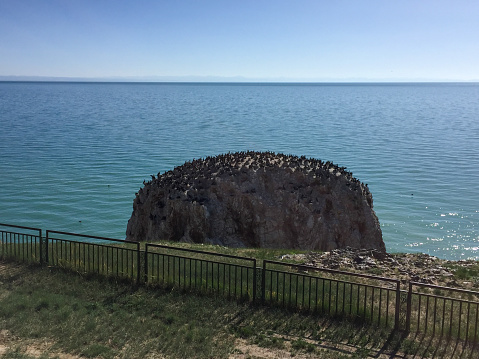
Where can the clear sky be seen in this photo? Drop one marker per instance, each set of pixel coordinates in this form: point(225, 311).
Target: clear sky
point(289, 40)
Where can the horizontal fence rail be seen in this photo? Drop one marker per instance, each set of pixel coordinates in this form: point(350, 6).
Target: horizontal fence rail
point(21, 243)
point(335, 293)
point(188, 269)
point(431, 310)
point(442, 311)
point(94, 255)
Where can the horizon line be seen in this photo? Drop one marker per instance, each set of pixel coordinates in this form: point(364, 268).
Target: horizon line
point(215, 79)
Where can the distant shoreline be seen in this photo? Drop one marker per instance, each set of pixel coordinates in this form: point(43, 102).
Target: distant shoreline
point(227, 80)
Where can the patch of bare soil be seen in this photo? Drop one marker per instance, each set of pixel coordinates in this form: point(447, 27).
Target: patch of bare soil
point(9, 269)
point(324, 349)
point(31, 348)
point(244, 350)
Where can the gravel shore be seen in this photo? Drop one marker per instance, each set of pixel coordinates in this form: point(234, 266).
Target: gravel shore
point(417, 267)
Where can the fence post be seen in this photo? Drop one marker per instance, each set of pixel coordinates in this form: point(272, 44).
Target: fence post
point(398, 305)
point(254, 280)
point(263, 282)
point(146, 263)
point(41, 247)
point(138, 258)
point(46, 246)
point(408, 310)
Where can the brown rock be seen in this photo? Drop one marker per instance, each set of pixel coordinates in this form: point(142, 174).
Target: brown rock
point(257, 199)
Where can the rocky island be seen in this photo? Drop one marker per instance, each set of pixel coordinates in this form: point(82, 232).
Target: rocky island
point(257, 199)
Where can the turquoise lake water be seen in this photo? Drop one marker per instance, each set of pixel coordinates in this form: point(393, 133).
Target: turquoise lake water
point(72, 155)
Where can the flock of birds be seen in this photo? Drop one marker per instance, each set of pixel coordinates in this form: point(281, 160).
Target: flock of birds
point(201, 173)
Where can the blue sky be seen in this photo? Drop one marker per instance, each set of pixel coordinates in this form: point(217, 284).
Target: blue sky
point(294, 40)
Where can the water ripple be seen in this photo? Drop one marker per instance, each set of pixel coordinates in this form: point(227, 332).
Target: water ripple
point(73, 155)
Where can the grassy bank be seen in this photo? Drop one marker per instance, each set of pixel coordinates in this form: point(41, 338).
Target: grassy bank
point(47, 313)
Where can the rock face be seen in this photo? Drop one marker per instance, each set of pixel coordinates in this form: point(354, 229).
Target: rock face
point(257, 199)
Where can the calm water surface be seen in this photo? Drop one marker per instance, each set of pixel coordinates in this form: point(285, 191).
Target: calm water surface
point(72, 155)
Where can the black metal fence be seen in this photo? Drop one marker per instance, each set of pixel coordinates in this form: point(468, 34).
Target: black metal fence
point(93, 255)
point(231, 276)
point(21, 243)
point(335, 293)
point(442, 311)
point(427, 309)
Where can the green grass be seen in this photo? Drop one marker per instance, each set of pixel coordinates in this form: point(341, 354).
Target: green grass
point(466, 273)
point(181, 267)
point(302, 345)
point(259, 254)
point(329, 294)
point(101, 318)
point(96, 310)
point(94, 317)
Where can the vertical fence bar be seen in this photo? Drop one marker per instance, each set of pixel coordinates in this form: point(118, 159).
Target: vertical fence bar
point(302, 294)
point(15, 245)
point(443, 316)
point(337, 297)
point(241, 282)
point(310, 290)
point(398, 305)
point(408, 309)
point(467, 323)
point(380, 305)
point(263, 283)
point(23, 246)
point(330, 296)
point(46, 248)
point(191, 272)
point(452, 315)
point(296, 294)
point(426, 319)
point(224, 278)
point(290, 289)
point(419, 313)
point(254, 280)
point(229, 280)
point(459, 321)
point(365, 300)
point(477, 324)
point(93, 258)
point(372, 305)
point(271, 286)
point(206, 275)
point(236, 280)
point(138, 266)
point(146, 263)
point(41, 247)
point(396, 309)
point(179, 272)
point(358, 294)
